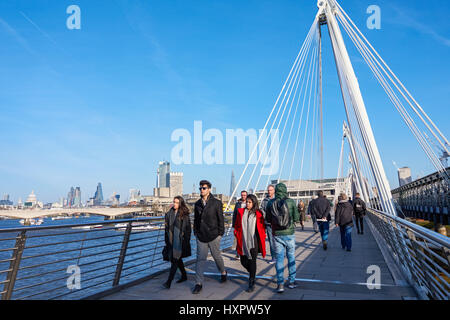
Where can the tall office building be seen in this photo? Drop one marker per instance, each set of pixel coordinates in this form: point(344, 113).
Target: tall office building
point(71, 197)
point(176, 184)
point(163, 175)
point(232, 183)
point(6, 197)
point(77, 197)
point(98, 197)
point(404, 176)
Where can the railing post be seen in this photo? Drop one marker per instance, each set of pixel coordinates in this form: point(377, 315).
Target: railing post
point(123, 252)
point(14, 265)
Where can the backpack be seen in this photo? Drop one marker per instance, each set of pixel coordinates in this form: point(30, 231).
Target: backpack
point(281, 219)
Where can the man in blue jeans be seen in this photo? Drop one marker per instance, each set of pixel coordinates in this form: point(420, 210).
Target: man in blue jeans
point(344, 220)
point(320, 208)
point(263, 207)
point(284, 239)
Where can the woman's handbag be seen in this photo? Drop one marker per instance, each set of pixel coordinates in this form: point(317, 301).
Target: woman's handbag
point(165, 254)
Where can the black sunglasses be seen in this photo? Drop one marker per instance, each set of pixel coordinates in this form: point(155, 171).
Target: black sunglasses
point(202, 188)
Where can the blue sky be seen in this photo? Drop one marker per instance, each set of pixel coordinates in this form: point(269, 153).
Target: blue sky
point(99, 104)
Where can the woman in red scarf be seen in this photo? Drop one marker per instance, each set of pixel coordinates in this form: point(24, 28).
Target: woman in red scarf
point(250, 233)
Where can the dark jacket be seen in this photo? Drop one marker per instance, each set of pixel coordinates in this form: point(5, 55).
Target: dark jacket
point(302, 212)
point(208, 219)
point(263, 208)
point(281, 193)
point(359, 206)
point(185, 233)
point(320, 208)
point(344, 214)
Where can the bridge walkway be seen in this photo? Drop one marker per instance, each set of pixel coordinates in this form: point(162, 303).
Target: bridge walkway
point(334, 274)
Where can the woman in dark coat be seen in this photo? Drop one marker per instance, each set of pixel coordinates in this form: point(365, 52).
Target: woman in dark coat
point(178, 239)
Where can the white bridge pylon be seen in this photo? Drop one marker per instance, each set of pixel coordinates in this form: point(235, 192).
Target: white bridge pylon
point(299, 106)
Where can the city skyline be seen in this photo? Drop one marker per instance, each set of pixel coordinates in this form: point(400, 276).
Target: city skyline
point(140, 86)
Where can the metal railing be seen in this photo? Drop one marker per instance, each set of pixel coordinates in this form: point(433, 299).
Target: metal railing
point(422, 254)
point(74, 261)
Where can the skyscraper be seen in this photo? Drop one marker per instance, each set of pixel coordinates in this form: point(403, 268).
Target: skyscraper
point(71, 197)
point(176, 184)
point(404, 176)
point(163, 175)
point(232, 183)
point(77, 197)
point(98, 197)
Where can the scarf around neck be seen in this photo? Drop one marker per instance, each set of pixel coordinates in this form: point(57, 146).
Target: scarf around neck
point(248, 232)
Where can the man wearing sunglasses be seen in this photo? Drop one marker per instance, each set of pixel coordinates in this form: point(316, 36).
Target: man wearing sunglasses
point(209, 228)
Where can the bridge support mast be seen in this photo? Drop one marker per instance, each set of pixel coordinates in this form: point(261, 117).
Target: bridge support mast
point(345, 68)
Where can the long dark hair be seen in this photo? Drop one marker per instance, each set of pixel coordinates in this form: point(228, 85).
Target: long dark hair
point(183, 210)
point(254, 200)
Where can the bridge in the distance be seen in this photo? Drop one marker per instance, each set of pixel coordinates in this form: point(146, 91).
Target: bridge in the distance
point(28, 214)
point(425, 198)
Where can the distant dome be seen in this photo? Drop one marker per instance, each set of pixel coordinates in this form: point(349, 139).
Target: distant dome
point(32, 197)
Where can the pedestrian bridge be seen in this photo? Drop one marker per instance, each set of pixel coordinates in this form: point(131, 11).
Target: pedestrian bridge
point(124, 261)
point(322, 275)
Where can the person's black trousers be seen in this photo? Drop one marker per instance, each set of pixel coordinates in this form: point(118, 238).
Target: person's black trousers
point(176, 263)
point(250, 264)
point(359, 221)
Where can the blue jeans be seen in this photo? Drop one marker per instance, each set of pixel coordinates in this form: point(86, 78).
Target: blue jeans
point(285, 245)
point(324, 227)
point(270, 238)
point(346, 237)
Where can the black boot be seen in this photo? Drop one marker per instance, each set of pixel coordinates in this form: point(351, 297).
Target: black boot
point(251, 285)
point(167, 284)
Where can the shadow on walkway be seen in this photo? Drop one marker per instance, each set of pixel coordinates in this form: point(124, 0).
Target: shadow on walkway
point(322, 275)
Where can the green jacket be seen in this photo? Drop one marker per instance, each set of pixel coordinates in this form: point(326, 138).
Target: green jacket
point(281, 193)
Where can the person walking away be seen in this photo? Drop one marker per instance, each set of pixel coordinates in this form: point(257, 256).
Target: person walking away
point(250, 237)
point(344, 220)
point(264, 203)
point(177, 236)
point(241, 203)
point(282, 213)
point(321, 210)
point(209, 228)
point(359, 207)
point(301, 209)
point(313, 217)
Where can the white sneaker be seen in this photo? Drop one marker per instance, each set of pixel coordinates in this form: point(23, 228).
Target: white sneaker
point(280, 288)
point(292, 285)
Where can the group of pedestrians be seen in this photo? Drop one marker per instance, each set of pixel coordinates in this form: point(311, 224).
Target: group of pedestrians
point(274, 219)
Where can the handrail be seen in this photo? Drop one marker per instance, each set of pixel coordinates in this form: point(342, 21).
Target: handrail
point(421, 254)
point(35, 263)
point(437, 237)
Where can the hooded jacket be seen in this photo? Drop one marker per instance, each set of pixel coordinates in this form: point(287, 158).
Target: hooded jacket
point(281, 193)
point(344, 214)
